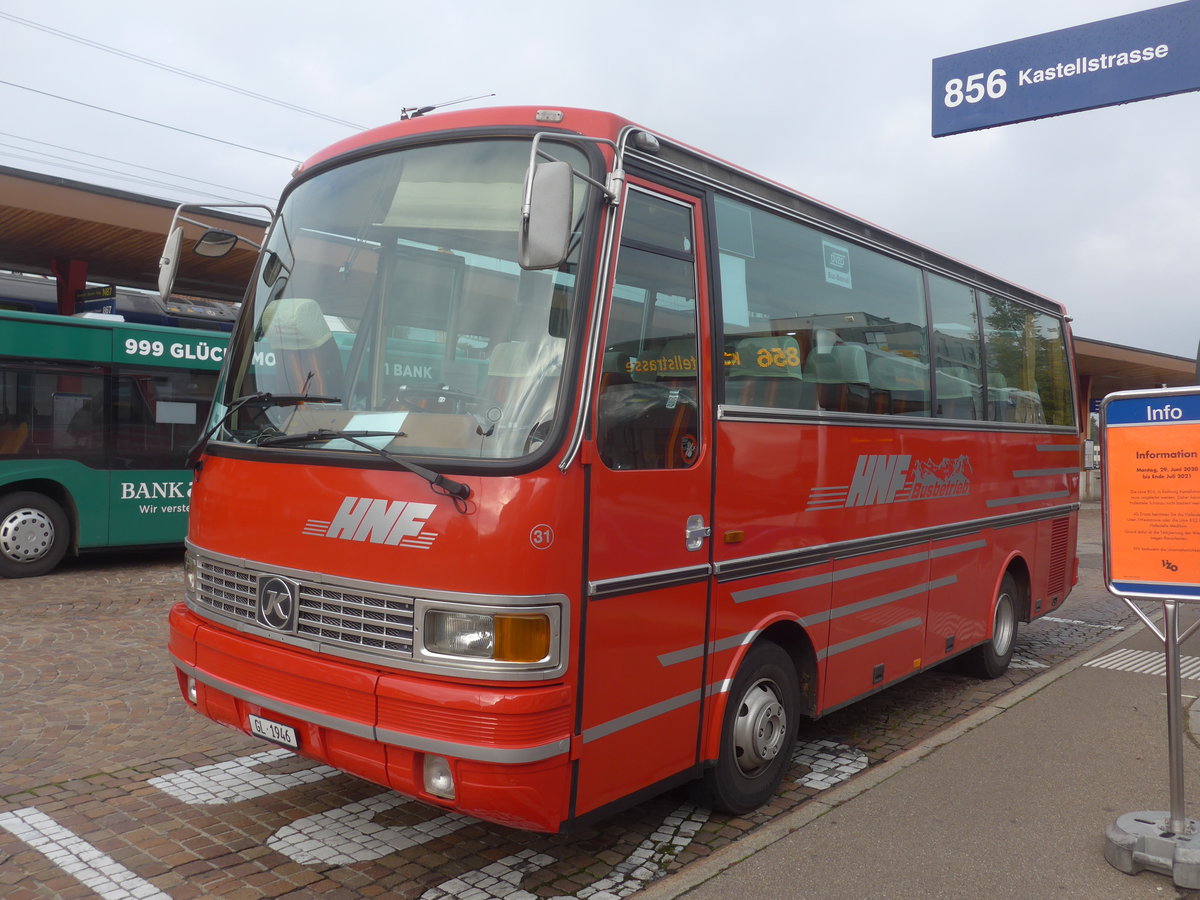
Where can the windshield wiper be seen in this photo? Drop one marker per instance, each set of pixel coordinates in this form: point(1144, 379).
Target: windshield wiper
point(263, 398)
point(456, 490)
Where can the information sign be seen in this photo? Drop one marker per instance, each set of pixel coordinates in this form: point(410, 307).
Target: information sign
point(1151, 466)
point(1132, 57)
point(107, 292)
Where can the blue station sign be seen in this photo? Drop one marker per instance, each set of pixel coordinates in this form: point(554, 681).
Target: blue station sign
point(1133, 57)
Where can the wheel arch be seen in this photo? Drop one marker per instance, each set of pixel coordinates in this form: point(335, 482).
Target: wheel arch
point(791, 636)
point(1018, 567)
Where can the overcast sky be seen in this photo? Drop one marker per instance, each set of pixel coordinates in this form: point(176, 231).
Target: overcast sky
point(1096, 209)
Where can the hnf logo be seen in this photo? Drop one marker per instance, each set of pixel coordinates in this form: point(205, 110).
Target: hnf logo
point(393, 522)
point(888, 478)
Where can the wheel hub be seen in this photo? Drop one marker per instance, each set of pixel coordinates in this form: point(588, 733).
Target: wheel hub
point(760, 730)
point(26, 535)
point(1004, 628)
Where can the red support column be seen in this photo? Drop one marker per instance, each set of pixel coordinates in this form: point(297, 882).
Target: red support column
point(72, 278)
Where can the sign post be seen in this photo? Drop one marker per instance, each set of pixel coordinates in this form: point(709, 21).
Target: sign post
point(1151, 469)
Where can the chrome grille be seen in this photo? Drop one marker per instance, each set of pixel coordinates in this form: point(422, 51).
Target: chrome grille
point(373, 622)
point(356, 619)
point(225, 589)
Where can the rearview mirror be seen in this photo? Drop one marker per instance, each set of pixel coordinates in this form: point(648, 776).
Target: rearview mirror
point(169, 262)
point(542, 242)
point(215, 243)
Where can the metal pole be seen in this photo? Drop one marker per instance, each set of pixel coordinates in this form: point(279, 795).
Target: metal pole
point(1178, 824)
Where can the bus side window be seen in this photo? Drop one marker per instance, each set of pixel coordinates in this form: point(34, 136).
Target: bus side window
point(648, 408)
point(765, 371)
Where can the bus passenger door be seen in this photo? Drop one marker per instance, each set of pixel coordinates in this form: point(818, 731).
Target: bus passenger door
point(650, 508)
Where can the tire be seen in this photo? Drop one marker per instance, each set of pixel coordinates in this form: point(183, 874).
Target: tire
point(757, 734)
point(991, 659)
point(34, 534)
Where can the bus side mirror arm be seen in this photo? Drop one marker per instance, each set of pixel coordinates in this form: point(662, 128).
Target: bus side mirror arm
point(214, 243)
point(544, 236)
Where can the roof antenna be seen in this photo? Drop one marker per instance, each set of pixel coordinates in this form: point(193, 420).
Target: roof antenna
point(411, 112)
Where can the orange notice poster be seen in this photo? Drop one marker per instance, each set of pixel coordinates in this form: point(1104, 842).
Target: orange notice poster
point(1152, 495)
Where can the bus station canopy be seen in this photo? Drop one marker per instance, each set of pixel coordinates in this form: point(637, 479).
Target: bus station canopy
point(51, 225)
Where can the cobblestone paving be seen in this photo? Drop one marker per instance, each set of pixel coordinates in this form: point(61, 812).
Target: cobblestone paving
point(111, 787)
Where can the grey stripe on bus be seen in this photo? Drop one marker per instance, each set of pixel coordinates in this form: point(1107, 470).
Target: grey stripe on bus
point(865, 639)
point(688, 653)
point(771, 590)
point(638, 716)
point(737, 640)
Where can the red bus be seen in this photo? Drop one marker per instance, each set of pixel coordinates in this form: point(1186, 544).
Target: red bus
point(554, 463)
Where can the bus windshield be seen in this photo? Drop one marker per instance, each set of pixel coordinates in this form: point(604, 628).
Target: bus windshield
point(391, 284)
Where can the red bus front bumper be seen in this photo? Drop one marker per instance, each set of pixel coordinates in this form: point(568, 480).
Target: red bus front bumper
point(507, 746)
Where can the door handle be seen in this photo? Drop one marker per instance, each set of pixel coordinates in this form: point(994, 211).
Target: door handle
point(695, 532)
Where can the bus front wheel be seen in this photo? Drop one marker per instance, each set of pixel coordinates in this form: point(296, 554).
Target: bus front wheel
point(34, 534)
point(758, 732)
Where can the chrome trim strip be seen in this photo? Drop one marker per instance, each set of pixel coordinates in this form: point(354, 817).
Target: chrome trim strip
point(506, 755)
point(648, 581)
point(599, 307)
point(790, 560)
point(1029, 498)
point(870, 638)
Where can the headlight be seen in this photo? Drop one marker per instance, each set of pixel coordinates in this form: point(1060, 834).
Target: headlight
point(190, 577)
point(507, 637)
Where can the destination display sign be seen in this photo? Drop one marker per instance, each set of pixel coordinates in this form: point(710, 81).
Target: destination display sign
point(107, 292)
point(1151, 469)
point(1132, 57)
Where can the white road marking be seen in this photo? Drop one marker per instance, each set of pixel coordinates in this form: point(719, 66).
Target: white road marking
point(79, 859)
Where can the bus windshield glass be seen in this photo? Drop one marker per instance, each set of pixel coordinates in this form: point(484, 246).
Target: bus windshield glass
point(391, 284)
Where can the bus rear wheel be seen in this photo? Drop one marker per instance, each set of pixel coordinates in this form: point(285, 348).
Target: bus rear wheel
point(758, 732)
point(991, 659)
point(34, 534)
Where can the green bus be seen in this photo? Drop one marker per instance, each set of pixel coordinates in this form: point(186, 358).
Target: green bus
point(96, 419)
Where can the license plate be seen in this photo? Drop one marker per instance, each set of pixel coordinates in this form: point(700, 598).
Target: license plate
point(273, 731)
